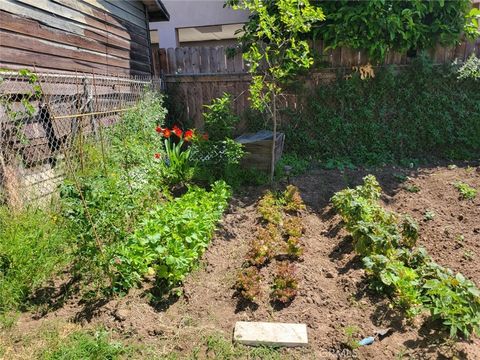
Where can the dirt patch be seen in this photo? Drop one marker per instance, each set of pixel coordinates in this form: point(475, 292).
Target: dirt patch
point(333, 298)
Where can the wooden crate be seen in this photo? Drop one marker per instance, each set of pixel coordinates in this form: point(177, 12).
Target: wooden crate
point(258, 148)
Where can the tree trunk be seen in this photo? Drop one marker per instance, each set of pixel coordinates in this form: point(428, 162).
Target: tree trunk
point(274, 140)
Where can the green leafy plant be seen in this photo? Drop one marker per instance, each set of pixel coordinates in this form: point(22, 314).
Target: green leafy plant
point(217, 155)
point(429, 215)
point(219, 119)
point(292, 199)
point(386, 26)
point(452, 299)
point(177, 167)
point(293, 226)
point(285, 283)
point(220, 160)
point(248, 283)
point(351, 334)
point(412, 188)
point(409, 275)
point(398, 279)
point(409, 232)
point(466, 191)
point(270, 209)
point(433, 117)
point(264, 247)
point(171, 238)
point(293, 248)
point(471, 68)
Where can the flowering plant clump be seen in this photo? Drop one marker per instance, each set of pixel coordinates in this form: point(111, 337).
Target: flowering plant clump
point(177, 165)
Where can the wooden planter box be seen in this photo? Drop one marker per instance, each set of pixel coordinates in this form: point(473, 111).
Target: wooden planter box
point(258, 148)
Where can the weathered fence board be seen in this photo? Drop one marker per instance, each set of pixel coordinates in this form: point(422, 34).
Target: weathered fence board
point(194, 76)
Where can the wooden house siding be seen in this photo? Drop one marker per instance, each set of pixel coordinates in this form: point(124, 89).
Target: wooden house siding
point(99, 36)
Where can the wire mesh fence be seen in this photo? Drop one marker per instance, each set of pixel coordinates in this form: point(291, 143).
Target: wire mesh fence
point(44, 117)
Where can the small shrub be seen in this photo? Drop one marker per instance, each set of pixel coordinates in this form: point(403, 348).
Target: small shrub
point(285, 283)
point(248, 283)
point(466, 191)
point(219, 119)
point(471, 69)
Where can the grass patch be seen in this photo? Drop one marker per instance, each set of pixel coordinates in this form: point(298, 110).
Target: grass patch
point(34, 244)
point(85, 345)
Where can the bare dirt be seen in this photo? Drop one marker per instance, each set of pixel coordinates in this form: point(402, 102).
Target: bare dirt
point(333, 296)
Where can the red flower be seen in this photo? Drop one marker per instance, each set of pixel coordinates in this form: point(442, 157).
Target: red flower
point(177, 131)
point(166, 133)
point(157, 156)
point(188, 135)
point(158, 129)
point(205, 136)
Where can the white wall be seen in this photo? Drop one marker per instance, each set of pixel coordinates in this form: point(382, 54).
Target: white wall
point(194, 13)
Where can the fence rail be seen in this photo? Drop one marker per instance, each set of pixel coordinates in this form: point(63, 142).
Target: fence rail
point(194, 76)
point(43, 116)
point(228, 60)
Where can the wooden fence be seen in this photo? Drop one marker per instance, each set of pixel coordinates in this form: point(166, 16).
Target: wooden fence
point(196, 75)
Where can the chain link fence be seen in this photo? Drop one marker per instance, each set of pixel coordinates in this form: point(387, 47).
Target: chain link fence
point(44, 116)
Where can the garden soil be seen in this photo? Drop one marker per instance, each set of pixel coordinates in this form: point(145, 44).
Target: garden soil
point(333, 300)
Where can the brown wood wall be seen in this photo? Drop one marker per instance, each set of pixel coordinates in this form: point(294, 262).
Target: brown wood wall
point(100, 36)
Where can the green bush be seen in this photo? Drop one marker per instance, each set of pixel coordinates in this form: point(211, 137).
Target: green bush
point(34, 244)
point(172, 237)
point(219, 119)
point(421, 112)
point(219, 156)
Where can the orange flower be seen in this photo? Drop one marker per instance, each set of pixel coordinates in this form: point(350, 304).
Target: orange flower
point(177, 131)
point(158, 129)
point(166, 133)
point(157, 156)
point(188, 135)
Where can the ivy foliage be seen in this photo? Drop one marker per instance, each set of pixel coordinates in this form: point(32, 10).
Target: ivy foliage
point(423, 112)
point(391, 25)
point(377, 26)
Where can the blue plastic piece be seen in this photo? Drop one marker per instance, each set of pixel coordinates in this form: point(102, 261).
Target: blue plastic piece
point(367, 341)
